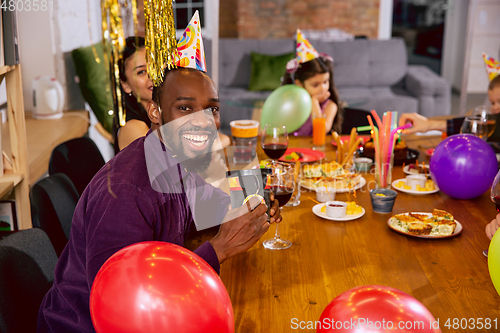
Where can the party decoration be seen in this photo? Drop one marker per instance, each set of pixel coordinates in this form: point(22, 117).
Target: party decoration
point(161, 44)
point(494, 261)
point(492, 66)
point(463, 166)
point(190, 48)
point(288, 105)
point(305, 51)
point(113, 41)
point(376, 309)
point(159, 287)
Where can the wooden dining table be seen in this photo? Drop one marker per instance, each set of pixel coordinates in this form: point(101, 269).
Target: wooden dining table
point(272, 289)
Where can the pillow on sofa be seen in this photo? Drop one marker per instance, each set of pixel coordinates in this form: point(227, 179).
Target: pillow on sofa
point(267, 70)
point(95, 83)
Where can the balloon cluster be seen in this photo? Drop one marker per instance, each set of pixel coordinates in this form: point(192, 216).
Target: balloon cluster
point(159, 287)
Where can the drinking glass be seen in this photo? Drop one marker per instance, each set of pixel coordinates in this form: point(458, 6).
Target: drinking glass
point(282, 184)
point(477, 126)
point(319, 131)
point(274, 141)
point(495, 197)
point(484, 112)
point(297, 175)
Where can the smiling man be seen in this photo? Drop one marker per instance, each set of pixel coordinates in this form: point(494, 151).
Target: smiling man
point(151, 191)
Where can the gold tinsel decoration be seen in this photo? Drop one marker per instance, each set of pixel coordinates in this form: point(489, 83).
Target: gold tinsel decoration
point(161, 44)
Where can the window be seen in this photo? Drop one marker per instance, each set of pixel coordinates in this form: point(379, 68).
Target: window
point(184, 10)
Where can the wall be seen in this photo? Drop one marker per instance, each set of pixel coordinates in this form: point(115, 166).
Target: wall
point(270, 19)
point(452, 65)
point(484, 20)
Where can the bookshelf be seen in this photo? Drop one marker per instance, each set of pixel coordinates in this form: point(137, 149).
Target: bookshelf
point(16, 183)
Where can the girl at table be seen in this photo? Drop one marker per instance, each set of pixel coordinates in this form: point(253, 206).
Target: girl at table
point(314, 72)
point(137, 90)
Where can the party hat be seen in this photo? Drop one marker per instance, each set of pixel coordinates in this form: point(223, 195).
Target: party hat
point(492, 66)
point(191, 53)
point(305, 51)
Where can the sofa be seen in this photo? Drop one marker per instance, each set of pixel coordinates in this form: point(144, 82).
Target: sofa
point(368, 74)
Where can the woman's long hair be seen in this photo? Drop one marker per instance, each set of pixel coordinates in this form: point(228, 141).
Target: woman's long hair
point(309, 69)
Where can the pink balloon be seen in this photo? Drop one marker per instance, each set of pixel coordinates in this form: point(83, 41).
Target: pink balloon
point(376, 309)
point(159, 287)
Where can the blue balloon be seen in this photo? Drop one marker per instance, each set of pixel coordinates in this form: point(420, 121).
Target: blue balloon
point(463, 166)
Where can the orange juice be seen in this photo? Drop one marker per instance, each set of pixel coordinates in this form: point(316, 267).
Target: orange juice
point(319, 131)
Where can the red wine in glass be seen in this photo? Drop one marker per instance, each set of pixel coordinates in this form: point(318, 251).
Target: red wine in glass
point(274, 150)
point(282, 194)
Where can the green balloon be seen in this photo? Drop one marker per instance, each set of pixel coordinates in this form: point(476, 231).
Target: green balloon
point(288, 105)
point(494, 260)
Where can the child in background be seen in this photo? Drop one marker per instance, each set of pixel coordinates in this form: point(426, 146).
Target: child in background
point(452, 126)
point(314, 72)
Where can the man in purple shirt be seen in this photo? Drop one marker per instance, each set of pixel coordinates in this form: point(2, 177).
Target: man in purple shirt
point(123, 205)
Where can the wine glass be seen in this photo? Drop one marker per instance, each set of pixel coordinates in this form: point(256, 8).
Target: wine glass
point(495, 197)
point(282, 184)
point(274, 141)
point(475, 125)
point(484, 112)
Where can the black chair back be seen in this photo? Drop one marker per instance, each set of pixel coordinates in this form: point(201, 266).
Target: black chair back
point(53, 202)
point(79, 159)
point(354, 118)
point(27, 263)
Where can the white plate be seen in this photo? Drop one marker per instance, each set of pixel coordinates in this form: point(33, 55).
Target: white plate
point(362, 182)
point(414, 192)
point(458, 228)
point(406, 170)
point(317, 211)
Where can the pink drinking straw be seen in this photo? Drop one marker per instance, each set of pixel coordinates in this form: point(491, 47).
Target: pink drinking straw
point(375, 137)
point(393, 132)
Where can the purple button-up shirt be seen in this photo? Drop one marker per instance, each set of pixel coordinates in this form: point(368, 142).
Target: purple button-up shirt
point(118, 208)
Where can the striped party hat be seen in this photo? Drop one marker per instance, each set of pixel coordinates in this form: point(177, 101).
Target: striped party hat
point(191, 53)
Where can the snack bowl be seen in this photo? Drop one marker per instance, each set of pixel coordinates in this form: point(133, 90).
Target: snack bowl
point(363, 164)
point(336, 209)
point(383, 200)
point(324, 194)
point(414, 180)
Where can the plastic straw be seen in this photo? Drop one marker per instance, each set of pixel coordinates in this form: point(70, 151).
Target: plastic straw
point(377, 119)
point(363, 128)
point(375, 137)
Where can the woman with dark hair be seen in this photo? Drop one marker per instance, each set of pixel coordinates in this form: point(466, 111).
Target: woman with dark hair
point(137, 90)
point(314, 73)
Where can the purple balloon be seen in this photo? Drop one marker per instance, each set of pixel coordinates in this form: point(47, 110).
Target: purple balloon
point(463, 166)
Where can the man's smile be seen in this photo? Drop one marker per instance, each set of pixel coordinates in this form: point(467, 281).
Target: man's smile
point(196, 142)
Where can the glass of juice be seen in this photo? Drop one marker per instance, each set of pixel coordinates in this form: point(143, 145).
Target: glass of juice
point(319, 132)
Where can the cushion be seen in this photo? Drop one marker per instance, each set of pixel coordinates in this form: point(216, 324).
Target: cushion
point(267, 70)
point(95, 83)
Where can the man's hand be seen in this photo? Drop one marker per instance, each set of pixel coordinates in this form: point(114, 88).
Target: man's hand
point(420, 123)
point(242, 228)
point(492, 227)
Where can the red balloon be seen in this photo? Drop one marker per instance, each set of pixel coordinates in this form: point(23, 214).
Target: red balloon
point(376, 309)
point(159, 287)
